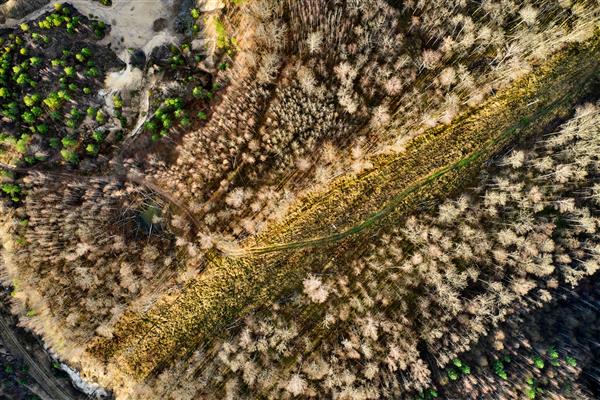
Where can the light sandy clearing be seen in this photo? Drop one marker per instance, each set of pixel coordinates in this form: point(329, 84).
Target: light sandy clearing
point(130, 20)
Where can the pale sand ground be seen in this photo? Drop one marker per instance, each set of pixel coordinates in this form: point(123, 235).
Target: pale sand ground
point(130, 20)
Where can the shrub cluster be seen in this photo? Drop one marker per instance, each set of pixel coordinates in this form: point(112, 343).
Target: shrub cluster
point(50, 73)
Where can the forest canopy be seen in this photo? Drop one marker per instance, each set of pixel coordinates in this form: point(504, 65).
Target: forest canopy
point(301, 199)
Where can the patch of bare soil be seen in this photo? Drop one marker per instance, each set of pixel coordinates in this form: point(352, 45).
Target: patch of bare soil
point(17, 9)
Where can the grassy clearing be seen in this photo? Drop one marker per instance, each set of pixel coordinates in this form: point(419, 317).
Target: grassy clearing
point(435, 164)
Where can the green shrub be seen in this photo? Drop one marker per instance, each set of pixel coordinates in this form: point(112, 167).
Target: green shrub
point(117, 101)
point(197, 92)
point(37, 111)
point(11, 189)
point(35, 61)
point(92, 72)
point(28, 117)
point(22, 79)
point(54, 143)
point(32, 100)
point(150, 126)
point(22, 143)
point(42, 128)
point(56, 20)
point(452, 374)
point(53, 101)
point(69, 71)
point(68, 142)
point(98, 136)
point(223, 41)
point(100, 117)
point(69, 156)
point(499, 369)
point(92, 148)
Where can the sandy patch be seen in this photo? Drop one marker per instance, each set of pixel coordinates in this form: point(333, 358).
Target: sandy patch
point(19, 8)
point(131, 22)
